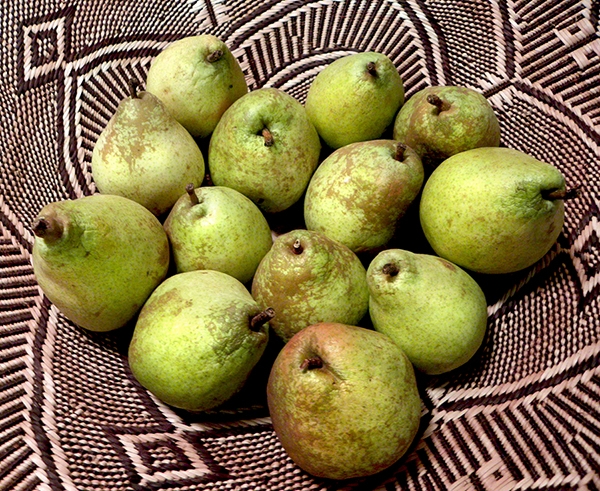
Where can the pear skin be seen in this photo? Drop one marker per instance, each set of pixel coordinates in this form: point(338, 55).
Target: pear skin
point(98, 258)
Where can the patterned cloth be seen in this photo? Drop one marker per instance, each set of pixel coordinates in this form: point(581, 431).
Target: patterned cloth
point(525, 414)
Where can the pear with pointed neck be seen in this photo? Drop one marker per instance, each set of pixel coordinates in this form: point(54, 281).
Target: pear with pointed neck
point(343, 401)
point(98, 258)
point(145, 155)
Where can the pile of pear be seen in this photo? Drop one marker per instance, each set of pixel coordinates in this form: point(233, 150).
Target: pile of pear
point(179, 243)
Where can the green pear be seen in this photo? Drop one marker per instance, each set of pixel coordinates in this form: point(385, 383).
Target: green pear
point(218, 228)
point(308, 278)
point(98, 258)
point(435, 311)
point(343, 401)
point(266, 148)
point(493, 210)
point(197, 339)
point(439, 122)
point(355, 98)
point(145, 155)
point(358, 194)
point(197, 78)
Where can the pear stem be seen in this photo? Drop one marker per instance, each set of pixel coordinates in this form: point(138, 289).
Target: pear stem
point(564, 194)
point(261, 319)
point(372, 69)
point(311, 363)
point(133, 86)
point(439, 103)
point(400, 152)
point(297, 247)
point(268, 136)
point(390, 269)
point(48, 228)
point(192, 193)
point(214, 56)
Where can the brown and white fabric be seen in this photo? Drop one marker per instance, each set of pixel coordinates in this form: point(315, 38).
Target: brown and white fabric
point(525, 415)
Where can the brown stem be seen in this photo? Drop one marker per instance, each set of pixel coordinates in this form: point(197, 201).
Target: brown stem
point(372, 69)
point(192, 193)
point(563, 194)
point(261, 319)
point(400, 152)
point(390, 269)
point(214, 56)
point(311, 363)
point(297, 247)
point(48, 228)
point(133, 87)
point(439, 103)
point(268, 136)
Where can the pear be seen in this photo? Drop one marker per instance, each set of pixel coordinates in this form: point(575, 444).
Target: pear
point(145, 155)
point(197, 78)
point(343, 401)
point(439, 122)
point(355, 98)
point(359, 193)
point(218, 228)
point(266, 148)
point(197, 339)
point(98, 258)
point(435, 311)
point(308, 278)
point(493, 210)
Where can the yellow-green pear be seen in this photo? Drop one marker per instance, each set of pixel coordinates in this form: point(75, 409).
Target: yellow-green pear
point(98, 258)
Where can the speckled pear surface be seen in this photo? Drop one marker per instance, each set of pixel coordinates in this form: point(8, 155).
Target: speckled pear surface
point(431, 308)
point(193, 345)
point(358, 194)
point(308, 278)
point(492, 210)
point(145, 155)
point(266, 148)
point(355, 98)
point(197, 78)
point(439, 122)
point(343, 401)
point(218, 228)
point(98, 258)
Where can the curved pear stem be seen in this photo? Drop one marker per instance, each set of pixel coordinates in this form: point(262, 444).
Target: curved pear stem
point(564, 194)
point(214, 56)
point(192, 194)
point(390, 269)
point(439, 103)
point(268, 136)
point(311, 363)
point(261, 319)
point(297, 247)
point(372, 68)
point(48, 228)
point(399, 154)
point(134, 84)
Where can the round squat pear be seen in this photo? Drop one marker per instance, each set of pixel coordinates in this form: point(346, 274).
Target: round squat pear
point(308, 278)
point(266, 148)
point(197, 78)
point(343, 401)
point(439, 122)
point(197, 338)
point(493, 210)
point(431, 308)
point(355, 98)
point(98, 258)
point(360, 192)
point(217, 228)
point(145, 155)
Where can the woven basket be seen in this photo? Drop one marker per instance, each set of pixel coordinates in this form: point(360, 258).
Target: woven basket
point(525, 414)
